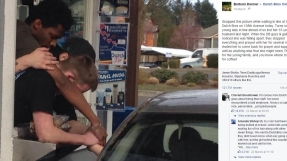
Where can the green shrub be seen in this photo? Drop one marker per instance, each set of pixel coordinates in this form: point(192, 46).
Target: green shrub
point(212, 61)
point(152, 80)
point(143, 76)
point(163, 74)
point(191, 84)
point(164, 64)
point(174, 63)
point(194, 77)
point(172, 82)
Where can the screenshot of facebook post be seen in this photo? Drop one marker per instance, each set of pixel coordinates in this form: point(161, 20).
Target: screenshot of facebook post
point(252, 80)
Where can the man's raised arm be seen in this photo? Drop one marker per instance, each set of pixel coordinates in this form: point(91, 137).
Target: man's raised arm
point(40, 58)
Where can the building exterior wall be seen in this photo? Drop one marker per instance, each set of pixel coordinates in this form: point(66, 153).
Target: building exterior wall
point(149, 58)
point(215, 42)
point(148, 39)
point(209, 43)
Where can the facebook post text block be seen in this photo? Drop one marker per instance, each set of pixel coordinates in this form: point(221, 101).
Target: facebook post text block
point(258, 125)
point(253, 81)
point(255, 101)
point(256, 36)
point(253, 39)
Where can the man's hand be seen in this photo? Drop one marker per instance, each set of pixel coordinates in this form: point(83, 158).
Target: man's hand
point(100, 133)
point(40, 58)
point(90, 138)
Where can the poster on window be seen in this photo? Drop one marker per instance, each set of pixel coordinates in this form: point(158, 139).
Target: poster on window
point(113, 43)
point(114, 8)
point(110, 94)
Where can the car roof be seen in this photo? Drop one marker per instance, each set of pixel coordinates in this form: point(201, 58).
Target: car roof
point(187, 101)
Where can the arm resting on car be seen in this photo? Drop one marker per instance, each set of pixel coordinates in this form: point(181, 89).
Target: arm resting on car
point(48, 133)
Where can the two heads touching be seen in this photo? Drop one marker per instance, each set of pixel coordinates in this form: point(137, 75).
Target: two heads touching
point(77, 61)
point(44, 70)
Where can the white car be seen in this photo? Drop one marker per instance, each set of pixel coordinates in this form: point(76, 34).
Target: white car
point(196, 59)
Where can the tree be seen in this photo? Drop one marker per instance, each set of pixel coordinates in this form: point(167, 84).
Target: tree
point(161, 14)
point(169, 16)
point(197, 9)
point(185, 36)
point(206, 14)
point(188, 5)
point(188, 15)
point(165, 35)
point(177, 7)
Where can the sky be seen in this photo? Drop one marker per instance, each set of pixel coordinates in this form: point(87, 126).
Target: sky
point(216, 4)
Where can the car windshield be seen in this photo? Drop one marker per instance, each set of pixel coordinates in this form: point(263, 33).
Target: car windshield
point(197, 54)
point(163, 137)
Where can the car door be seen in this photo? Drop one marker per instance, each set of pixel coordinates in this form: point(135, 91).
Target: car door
point(199, 60)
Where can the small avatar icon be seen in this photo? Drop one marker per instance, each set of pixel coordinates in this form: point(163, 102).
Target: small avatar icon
point(225, 96)
point(233, 121)
point(226, 6)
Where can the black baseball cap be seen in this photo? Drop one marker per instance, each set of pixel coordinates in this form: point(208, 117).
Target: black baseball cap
point(75, 46)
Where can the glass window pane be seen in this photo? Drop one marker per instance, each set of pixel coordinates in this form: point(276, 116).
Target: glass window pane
point(78, 12)
point(197, 54)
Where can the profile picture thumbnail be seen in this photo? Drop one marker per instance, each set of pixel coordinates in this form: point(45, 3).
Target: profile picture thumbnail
point(233, 121)
point(226, 6)
point(225, 97)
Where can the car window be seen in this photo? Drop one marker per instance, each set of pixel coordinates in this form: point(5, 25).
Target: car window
point(141, 142)
point(197, 54)
point(206, 130)
point(149, 64)
point(124, 145)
